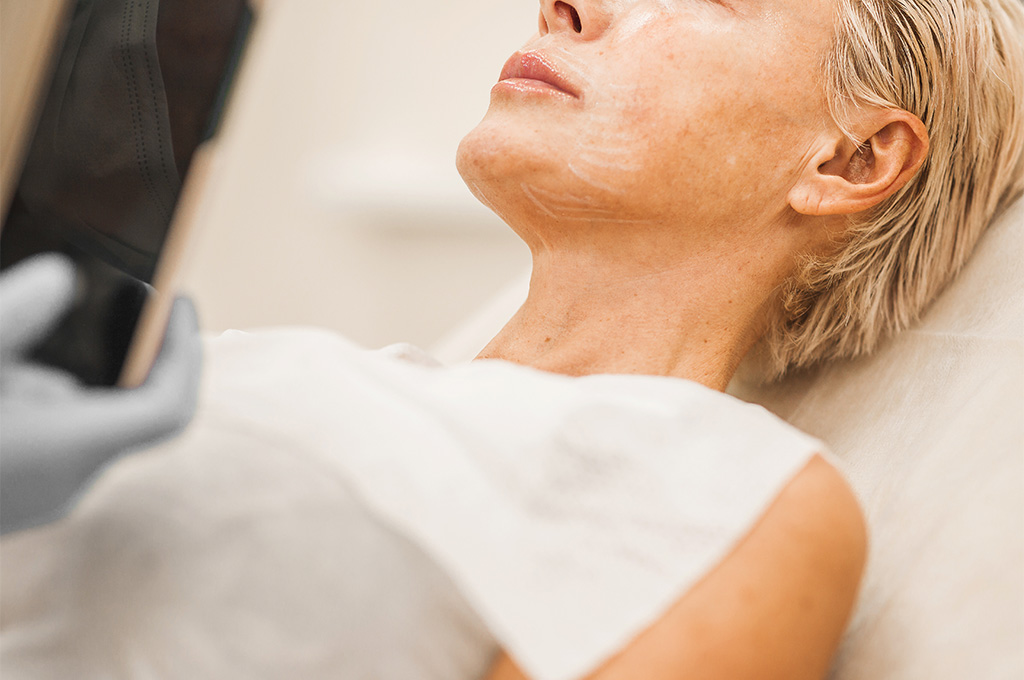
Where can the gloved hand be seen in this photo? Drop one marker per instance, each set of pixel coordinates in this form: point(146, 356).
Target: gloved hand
point(55, 433)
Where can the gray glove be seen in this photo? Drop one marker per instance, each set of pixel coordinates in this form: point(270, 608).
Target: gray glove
point(55, 434)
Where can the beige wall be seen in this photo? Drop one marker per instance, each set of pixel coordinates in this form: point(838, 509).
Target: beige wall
point(333, 199)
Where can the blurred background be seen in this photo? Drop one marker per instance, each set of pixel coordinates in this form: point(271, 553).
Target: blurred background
point(333, 198)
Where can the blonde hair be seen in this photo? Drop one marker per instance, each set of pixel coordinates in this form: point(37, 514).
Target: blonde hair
point(958, 65)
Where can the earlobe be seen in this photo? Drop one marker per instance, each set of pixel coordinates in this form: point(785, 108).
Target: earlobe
point(844, 178)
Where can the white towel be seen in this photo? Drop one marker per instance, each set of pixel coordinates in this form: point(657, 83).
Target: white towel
point(570, 511)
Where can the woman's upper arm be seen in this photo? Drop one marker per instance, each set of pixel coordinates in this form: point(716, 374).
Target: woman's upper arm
point(774, 608)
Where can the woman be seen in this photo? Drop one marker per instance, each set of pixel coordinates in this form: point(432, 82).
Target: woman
point(692, 190)
point(673, 167)
point(620, 145)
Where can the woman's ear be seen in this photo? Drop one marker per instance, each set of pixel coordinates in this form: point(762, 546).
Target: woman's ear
point(843, 178)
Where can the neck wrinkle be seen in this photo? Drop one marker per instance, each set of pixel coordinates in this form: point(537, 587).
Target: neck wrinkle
point(694, 320)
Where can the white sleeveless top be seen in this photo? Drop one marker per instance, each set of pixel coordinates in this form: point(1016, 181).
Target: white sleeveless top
point(570, 512)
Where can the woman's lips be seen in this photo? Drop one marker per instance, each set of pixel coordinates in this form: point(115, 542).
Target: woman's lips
point(533, 71)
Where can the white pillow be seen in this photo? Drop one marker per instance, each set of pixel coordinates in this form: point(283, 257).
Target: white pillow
point(931, 431)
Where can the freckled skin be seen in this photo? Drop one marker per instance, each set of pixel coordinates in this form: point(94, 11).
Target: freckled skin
point(663, 189)
point(690, 159)
point(670, 90)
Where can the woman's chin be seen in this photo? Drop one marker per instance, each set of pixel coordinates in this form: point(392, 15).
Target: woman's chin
point(509, 146)
point(484, 153)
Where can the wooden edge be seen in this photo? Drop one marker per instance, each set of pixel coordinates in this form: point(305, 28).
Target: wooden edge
point(29, 34)
point(152, 324)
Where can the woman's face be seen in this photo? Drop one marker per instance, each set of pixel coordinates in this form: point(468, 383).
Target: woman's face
point(666, 112)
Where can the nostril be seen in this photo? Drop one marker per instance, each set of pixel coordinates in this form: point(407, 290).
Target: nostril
point(563, 8)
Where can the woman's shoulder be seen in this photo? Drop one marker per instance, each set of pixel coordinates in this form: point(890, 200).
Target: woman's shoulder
point(820, 486)
point(808, 549)
point(817, 521)
point(775, 607)
point(788, 588)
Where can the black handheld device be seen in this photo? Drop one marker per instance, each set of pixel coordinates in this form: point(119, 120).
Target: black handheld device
point(138, 87)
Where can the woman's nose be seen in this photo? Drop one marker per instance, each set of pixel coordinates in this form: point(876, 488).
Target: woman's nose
point(589, 19)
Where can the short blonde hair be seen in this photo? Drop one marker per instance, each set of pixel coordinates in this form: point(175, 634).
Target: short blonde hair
point(958, 65)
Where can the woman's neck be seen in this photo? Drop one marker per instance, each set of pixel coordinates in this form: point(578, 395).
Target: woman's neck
point(695, 319)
